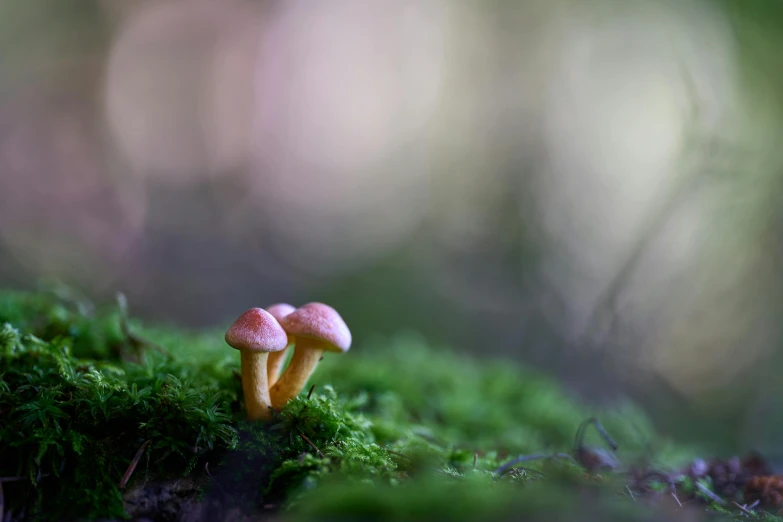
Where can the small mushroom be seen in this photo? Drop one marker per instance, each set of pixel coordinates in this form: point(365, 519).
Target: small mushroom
point(255, 334)
point(316, 328)
point(274, 364)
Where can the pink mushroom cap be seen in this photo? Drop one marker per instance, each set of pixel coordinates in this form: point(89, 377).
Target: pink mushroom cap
point(280, 310)
point(321, 322)
point(258, 331)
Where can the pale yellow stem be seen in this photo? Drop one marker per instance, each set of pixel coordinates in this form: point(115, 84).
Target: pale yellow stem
point(274, 365)
point(307, 353)
point(254, 385)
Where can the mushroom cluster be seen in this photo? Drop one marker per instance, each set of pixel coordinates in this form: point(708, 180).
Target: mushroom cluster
point(263, 338)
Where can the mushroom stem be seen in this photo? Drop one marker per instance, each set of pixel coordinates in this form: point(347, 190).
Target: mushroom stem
point(307, 354)
point(274, 365)
point(254, 385)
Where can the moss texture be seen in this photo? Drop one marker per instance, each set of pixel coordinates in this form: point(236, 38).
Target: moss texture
point(395, 429)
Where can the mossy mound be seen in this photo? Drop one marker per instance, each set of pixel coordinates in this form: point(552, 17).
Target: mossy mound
point(393, 430)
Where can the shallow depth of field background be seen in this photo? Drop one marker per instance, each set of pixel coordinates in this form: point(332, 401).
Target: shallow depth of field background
point(590, 187)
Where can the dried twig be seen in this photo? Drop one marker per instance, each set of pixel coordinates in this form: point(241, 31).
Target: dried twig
point(312, 445)
point(709, 494)
point(741, 507)
point(132, 466)
point(630, 492)
point(524, 458)
point(580, 434)
point(527, 458)
point(661, 475)
point(475, 460)
point(310, 392)
point(206, 470)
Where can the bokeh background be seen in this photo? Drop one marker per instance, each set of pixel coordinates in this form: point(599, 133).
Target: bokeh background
point(592, 188)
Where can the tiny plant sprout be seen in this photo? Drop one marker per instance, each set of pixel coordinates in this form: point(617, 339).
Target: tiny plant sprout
point(316, 328)
point(255, 334)
point(275, 361)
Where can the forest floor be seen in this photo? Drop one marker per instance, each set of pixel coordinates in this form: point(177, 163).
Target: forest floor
point(102, 417)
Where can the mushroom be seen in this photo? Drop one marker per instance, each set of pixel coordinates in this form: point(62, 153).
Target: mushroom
point(255, 334)
point(274, 364)
point(316, 328)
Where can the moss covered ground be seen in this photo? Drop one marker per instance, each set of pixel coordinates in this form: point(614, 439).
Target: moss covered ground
point(395, 429)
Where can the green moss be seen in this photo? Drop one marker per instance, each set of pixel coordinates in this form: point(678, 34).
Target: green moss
point(474, 496)
point(62, 313)
point(71, 426)
point(408, 386)
point(321, 437)
point(393, 429)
